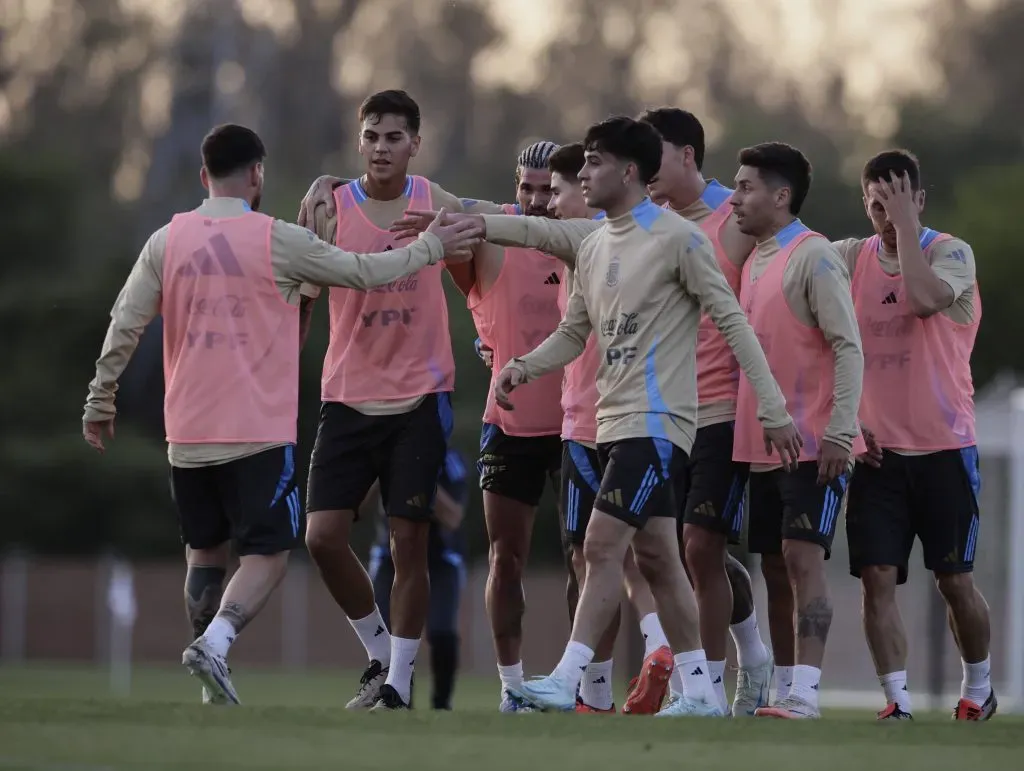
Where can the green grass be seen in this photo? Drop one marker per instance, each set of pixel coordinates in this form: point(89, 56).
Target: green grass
point(65, 719)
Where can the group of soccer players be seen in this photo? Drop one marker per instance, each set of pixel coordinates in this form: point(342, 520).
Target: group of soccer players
point(663, 348)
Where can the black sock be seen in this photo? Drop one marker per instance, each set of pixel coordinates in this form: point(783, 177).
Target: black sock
point(444, 660)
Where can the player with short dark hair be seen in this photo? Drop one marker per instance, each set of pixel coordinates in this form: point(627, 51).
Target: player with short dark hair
point(918, 306)
point(228, 283)
point(637, 278)
point(712, 511)
point(795, 290)
point(386, 413)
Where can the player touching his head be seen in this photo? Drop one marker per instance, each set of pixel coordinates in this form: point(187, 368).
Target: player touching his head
point(653, 268)
point(228, 281)
point(796, 292)
point(919, 308)
point(386, 414)
point(712, 511)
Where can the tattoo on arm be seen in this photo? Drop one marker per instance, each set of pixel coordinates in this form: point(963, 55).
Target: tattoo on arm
point(236, 615)
point(203, 588)
point(305, 319)
point(814, 619)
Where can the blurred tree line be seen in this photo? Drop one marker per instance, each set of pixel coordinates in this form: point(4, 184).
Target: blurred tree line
point(103, 104)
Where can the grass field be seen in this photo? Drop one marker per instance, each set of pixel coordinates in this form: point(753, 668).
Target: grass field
point(64, 719)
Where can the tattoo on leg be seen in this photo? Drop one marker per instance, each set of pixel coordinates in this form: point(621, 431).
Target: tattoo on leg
point(814, 619)
point(235, 614)
point(742, 591)
point(203, 588)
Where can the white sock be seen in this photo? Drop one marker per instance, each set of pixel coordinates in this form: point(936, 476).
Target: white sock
point(805, 684)
point(750, 648)
point(976, 684)
point(219, 635)
point(654, 635)
point(373, 634)
point(596, 688)
point(403, 659)
point(896, 692)
point(675, 684)
point(511, 676)
point(717, 669)
point(783, 682)
point(693, 668)
point(573, 664)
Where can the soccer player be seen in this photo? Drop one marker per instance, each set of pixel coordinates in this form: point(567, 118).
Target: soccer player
point(386, 413)
point(918, 308)
point(227, 281)
point(638, 282)
point(796, 292)
point(712, 514)
point(447, 572)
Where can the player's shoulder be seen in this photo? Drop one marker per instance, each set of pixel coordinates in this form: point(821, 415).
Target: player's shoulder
point(950, 247)
point(818, 257)
point(441, 198)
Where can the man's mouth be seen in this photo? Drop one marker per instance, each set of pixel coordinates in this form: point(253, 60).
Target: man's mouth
point(381, 162)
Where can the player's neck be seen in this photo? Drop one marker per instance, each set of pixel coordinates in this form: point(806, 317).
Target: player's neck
point(688, 192)
point(229, 191)
point(626, 204)
point(776, 228)
point(383, 191)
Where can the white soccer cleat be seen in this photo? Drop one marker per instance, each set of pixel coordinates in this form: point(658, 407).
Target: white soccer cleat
point(374, 676)
point(212, 670)
point(790, 708)
point(547, 694)
point(682, 706)
point(753, 688)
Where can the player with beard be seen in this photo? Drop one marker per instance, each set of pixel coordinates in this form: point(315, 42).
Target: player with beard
point(919, 308)
point(227, 281)
point(795, 290)
point(653, 264)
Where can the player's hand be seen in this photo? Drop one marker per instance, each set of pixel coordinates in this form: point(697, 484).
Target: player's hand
point(416, 221)
point(94, 430)
point(320, 192)
point(897, 197)
point(873, 457)
point(508, 380)
point(787, 441)
point(485, 352)
point(833, 460)
point(456, 236)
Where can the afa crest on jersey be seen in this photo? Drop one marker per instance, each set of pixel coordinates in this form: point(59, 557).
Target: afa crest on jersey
point(611, 278)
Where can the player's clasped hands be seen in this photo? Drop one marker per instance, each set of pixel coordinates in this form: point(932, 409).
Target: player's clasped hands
point(457, 236)
point(787, 441)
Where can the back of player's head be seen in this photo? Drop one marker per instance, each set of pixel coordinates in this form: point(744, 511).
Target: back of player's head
point(536, 156)
point(628, 140)
point(391, 102)
point(893, 162)
point(781, 165)
point(229, 149)
point(567, 160)
point(679, 128)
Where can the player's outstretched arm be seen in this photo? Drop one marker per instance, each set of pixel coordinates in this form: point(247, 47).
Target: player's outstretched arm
point(323, 264)
point(136, 306)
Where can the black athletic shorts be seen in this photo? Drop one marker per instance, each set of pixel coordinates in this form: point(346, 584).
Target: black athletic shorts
point(405, 452)
point(717, 483)
point(518, 467)
point(793, 506)
point(581, 479)
point(641, 478)
point(933, 497)
point(252, 501)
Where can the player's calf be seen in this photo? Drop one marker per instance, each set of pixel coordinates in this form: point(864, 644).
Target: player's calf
point(969, 618)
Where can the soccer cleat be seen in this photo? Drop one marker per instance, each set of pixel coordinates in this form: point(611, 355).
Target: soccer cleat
point(753, 685)
point(510, 703)
point(374, 676)
point(790, 708)
point(968, 710)
point(647, 690)
point(212, 670)
point(546, 694)
point(893, 712)
point(208, 698)
point(681, 706)
point(583, 707)
point(388, 699)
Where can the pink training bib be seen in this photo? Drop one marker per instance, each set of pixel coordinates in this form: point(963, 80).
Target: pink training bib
point(391, 342)
point(231, 341)
point(800, 358)
point(918, 390)
point(516, 315)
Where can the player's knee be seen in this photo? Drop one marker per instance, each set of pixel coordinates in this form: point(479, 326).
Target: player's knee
point(579, 565)
point(773, 569)
point(955, 587)
point(703, 550)
point(409, 542)
point(506, 562)
point(326, 534)
point(878, 584)
point(803, 560)
point(656, 565)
